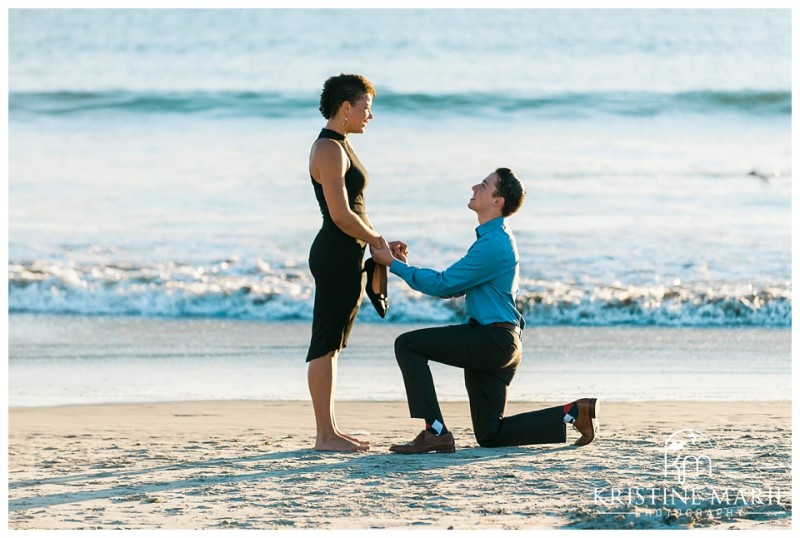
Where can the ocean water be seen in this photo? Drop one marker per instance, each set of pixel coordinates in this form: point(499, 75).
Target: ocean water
point(158, 158)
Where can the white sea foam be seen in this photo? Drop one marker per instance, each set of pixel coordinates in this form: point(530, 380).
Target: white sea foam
point(259, 293)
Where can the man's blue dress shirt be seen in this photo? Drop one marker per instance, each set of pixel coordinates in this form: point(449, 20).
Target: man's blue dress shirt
point(488, 274)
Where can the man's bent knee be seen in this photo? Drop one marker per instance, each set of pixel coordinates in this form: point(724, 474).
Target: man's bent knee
point(402, 344)
point(486, 440)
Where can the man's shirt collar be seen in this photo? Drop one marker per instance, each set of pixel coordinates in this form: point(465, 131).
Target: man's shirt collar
point(488, 226)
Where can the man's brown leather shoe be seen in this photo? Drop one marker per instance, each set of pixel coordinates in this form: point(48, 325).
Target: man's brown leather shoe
point(427, 442)
point(585, 424)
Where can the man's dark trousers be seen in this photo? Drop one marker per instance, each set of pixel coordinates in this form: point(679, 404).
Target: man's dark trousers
point(489, 356)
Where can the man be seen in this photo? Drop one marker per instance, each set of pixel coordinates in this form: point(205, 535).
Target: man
point(487, 345)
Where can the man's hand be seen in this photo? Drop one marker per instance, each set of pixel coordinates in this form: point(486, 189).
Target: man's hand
point(399, 250)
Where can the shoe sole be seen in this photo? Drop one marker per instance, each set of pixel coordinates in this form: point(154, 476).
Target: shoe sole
point(595, 420)
point(445, 450)
point(593, 406)
point(437, 450)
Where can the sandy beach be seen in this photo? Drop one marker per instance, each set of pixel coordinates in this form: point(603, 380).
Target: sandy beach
point(207, 459)
point(248, 465)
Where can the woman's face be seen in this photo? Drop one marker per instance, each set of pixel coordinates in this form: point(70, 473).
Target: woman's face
point(358, 114)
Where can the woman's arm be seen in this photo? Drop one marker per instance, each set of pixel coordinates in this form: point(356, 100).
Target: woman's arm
point(328, 167)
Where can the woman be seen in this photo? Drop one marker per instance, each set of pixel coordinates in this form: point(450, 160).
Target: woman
point(336, 257)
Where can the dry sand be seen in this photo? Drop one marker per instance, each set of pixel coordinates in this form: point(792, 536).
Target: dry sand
point(248, 465)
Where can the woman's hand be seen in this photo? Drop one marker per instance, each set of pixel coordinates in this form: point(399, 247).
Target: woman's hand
point(383, 254)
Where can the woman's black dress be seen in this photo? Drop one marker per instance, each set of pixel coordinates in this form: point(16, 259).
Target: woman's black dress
point(336, 262)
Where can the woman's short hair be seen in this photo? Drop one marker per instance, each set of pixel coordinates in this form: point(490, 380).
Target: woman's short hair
point(338, 89)
point(511, 189)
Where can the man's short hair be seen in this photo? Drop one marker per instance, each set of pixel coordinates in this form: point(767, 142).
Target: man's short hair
point(339, 89)
point(511, 189)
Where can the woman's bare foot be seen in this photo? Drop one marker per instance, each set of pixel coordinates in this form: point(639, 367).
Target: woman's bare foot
point(353, 439)
point(339, 444)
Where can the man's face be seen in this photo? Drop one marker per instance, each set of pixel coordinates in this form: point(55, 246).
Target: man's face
point(482, 198)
